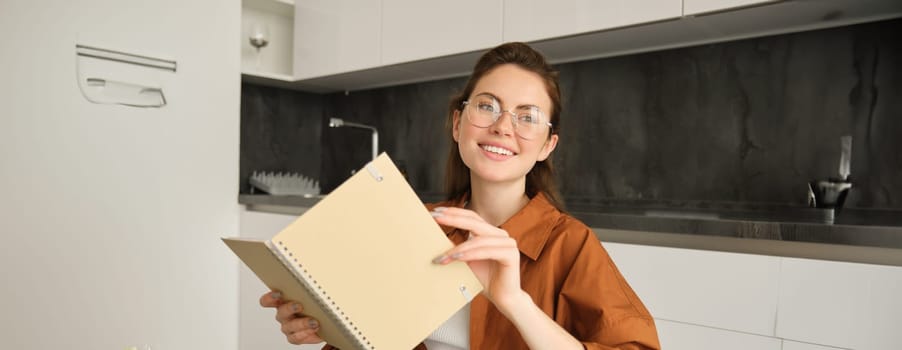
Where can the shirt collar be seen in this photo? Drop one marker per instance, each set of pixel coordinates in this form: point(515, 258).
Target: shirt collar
point(530, 227)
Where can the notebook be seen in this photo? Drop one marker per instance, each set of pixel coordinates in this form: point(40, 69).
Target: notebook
point(360, 262)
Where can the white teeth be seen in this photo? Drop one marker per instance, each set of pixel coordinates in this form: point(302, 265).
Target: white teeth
point(497, 150)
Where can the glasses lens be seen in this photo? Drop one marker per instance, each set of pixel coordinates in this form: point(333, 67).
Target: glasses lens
point(483, 110)
point(529, 122)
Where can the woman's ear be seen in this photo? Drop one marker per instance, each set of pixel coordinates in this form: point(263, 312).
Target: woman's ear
point(455, 126)
point(548, 147)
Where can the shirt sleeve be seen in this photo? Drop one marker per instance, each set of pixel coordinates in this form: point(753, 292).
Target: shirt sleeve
point(598, 306)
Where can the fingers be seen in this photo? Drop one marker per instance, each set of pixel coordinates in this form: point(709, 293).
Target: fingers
point(301, 330)
point(456, 211)
point(467, 220)
point(304, 337)
point(502, 249)
point(288, 311)
point(297, 327)
point(487, 241)
point(300, 324)
point(505, 256)
point(271, 299)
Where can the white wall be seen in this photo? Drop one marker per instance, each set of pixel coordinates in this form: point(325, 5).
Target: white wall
point(110, 216)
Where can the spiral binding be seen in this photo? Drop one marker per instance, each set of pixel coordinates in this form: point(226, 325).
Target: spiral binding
point(322, 298)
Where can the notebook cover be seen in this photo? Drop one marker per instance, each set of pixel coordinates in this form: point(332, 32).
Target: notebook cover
point(369, 245)
point(269, 268)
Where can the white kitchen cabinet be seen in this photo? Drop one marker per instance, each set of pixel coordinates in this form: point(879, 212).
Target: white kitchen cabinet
point(530, 20)
point(684, 336)
point(694, 7)
point(794, 345)
point(807, 304)
point(336, 36)
point(414, 30)
point(276, 19)
point(840, 304)
point(722, 290)
point(257, 327)
point(345, 45)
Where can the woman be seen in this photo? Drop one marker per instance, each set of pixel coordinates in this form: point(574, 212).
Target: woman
point(548, 283)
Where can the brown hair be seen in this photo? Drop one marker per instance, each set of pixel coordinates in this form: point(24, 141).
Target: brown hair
point(541, 177)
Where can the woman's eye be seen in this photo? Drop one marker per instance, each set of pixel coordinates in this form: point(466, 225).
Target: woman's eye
point(488, 107)
point(528, 118)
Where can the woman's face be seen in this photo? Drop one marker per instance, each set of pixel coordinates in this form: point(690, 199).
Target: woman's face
point(497, 153)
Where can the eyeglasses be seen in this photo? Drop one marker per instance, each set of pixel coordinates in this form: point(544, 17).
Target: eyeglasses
point(528, 121)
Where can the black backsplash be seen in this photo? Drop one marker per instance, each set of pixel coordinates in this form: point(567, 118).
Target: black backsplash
point(280, 132)
point(742, 121)
point(411, 124)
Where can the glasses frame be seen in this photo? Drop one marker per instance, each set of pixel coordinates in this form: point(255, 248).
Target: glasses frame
point(497, 115)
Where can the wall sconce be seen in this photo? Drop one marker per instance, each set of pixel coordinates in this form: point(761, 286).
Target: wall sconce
point(338, 123)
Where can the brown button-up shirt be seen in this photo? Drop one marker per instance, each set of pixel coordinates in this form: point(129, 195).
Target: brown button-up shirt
point(570, 277)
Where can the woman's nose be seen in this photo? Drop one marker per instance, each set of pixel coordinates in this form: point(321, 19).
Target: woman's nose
point(502, 125)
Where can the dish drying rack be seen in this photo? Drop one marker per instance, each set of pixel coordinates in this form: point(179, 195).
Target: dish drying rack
point(284, 184)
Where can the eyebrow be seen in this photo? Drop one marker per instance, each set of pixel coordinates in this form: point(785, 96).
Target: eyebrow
point(502, 101)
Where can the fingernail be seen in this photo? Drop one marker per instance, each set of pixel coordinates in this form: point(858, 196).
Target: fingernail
point(313, 323)
point(456, 256)
point(276, 295)
point(439, 209)
point(439, 259)
point(295, 307)
point(436, 214)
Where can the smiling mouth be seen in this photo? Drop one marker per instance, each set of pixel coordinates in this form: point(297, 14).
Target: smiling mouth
point(497, 150)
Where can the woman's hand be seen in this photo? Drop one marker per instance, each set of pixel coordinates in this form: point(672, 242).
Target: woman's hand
point(493, 256)
point(490, 252)
point(297, 327)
